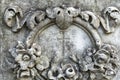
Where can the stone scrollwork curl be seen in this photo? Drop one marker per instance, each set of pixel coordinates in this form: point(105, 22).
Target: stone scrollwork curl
point(32, 64)
point(111, 13)
point(91, 18)
point(12, 17)
point(33, 18)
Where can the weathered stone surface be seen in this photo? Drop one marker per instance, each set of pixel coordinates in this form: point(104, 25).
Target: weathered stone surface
point(59, 39)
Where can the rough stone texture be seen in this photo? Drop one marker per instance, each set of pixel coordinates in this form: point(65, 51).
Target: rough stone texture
point(75, 39)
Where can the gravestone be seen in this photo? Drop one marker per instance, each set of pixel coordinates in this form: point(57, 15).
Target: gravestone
point(59, 40)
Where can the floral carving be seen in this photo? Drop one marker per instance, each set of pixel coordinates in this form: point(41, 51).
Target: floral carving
point(31, 63)
point(102, 62)
point(65, 72)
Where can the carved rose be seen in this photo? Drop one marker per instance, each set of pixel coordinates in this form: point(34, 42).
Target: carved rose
point(102, 62)
point(112, 64)
point(101, 58)
point(105, 62)
point(70, 72)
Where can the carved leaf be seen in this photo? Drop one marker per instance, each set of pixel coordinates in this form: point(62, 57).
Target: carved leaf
point(34, 19)
point(92, 18)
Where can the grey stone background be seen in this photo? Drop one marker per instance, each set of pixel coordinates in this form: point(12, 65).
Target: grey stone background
point(8, 39)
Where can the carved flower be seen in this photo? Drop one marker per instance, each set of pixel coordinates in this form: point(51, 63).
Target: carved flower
point(26, 63)
point(29, 61)
point(42, 62)
point(105, 55)
point(101, 58)
point(70, 72)
point(105, 61)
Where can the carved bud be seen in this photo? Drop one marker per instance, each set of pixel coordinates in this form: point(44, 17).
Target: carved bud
point(70, 72)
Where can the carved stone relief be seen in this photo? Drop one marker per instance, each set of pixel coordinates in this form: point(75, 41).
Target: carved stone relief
point(99, 62)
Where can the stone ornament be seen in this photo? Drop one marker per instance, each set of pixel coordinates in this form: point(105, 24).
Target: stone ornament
point(99, 63)
point(111, 13)
point(102, 63)
point(13, 16)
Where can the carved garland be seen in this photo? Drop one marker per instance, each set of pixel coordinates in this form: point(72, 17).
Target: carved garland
point(31, 64)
